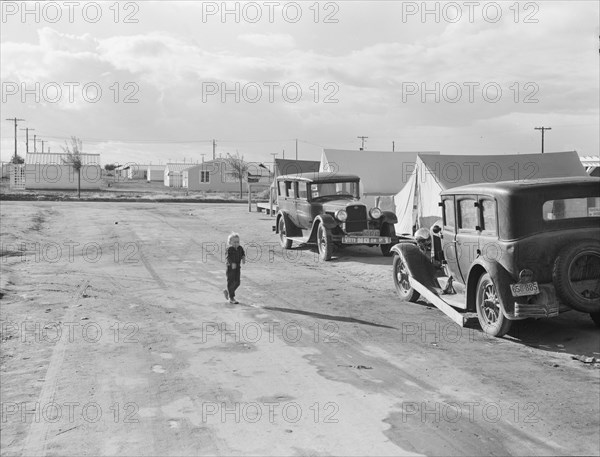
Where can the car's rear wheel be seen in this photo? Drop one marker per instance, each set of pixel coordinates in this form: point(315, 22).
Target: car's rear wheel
point(387, 230)
point(324, 243)
point(489, 309)
point(402, 280)
point(576, 276)
point(283, 239)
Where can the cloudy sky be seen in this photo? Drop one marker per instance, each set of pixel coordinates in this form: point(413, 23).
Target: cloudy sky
point(158, 81)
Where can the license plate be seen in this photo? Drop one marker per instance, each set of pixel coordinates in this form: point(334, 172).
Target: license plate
point(523, 289)
point(366, 240)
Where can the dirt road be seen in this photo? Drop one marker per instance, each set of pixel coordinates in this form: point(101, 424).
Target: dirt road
point(116, 340)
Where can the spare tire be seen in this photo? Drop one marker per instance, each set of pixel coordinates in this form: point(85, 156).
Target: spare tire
point(576, 276)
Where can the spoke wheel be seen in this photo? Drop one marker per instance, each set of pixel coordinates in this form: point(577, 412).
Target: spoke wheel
point(402, 280)
point(324, 243)
point(283, 240)
point(489, 308)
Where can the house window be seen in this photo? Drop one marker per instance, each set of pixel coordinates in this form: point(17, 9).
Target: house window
point(204, 176)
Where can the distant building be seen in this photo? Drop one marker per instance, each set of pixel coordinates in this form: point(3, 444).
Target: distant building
point(51, 171)
point(173, 174)
point(216, 176)
point(136, 171)
point(591, 164)
point(155, 173)
point(5, 169)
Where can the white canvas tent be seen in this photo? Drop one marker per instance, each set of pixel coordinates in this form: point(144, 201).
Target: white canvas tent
point(382, 173)
point(417, 203)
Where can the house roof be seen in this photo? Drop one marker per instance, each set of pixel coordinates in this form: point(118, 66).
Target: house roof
point(590, 161)
point(35, 158)
point(178, 167)
point(319, 177)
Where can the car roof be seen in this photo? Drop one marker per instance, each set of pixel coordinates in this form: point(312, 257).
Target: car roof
point(323, 176)
point(526, 186)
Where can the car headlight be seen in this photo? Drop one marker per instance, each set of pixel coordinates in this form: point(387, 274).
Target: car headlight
point(341, 215)
point(422, 235)
point(375, 213)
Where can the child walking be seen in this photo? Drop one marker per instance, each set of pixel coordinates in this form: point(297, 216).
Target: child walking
point(235, 257)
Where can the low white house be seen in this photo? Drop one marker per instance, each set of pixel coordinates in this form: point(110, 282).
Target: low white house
point(216, 176)
point(136, 171)
point(591, 164)
point(173, 176)
point(51, 171)
point(155, 173)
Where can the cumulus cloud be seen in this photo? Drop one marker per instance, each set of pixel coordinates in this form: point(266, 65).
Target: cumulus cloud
point(271, 40)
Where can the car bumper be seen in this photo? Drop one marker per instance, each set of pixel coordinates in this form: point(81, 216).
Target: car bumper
point(544, 304)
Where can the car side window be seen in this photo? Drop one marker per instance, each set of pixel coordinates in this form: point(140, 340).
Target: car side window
point(302, 192)
point(467, 214)
point(449, 221)
point(280, 188)
point(289, 189)
point(488, 216)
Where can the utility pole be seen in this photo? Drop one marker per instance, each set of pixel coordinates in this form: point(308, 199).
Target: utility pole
point(393, 146)
point(27, 129)
point(296, 148)
point(42, 146)
point(214, 148)
point(202, 157)
point(543, 129)
point(274, 154)
point(283, 154)
point(15, 120)
point(35, 143)
point(363, 138)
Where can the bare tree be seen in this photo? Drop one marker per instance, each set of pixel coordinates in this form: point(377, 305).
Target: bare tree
point(238, 168)
point(74, 159)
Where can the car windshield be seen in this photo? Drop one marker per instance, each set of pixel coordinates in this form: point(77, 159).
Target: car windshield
point(571, 208)
point(334, 189)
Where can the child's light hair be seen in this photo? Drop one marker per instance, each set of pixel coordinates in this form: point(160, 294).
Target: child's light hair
point(231, 236)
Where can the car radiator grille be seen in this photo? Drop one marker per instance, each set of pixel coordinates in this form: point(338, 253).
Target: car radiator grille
point(357, 218)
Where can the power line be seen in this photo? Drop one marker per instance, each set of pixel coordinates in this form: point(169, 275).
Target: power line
point(16, 121)
point(363, 138)
point(27, 129)
point(543, 129)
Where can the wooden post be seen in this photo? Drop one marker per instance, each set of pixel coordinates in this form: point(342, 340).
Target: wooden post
point(249, 198)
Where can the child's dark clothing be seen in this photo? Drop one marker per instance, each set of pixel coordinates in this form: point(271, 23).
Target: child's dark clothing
point(234, 256)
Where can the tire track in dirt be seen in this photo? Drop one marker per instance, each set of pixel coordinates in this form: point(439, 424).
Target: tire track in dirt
point(37, 437)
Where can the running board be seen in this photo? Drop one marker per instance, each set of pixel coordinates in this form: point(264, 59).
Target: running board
point(458, 317)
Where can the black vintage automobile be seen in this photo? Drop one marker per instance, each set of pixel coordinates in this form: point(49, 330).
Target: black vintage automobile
point(508, 251)
point(325, 208)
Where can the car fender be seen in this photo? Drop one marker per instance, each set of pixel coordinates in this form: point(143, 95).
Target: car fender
point(502, 280)
point(327, 220)
point(389, 217)
point(418, 264)
point(290, 227)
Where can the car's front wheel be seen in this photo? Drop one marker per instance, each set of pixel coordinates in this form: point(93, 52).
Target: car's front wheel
point(283, 239)
point(402, 280)
point(489, 309)
point(324, 243)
